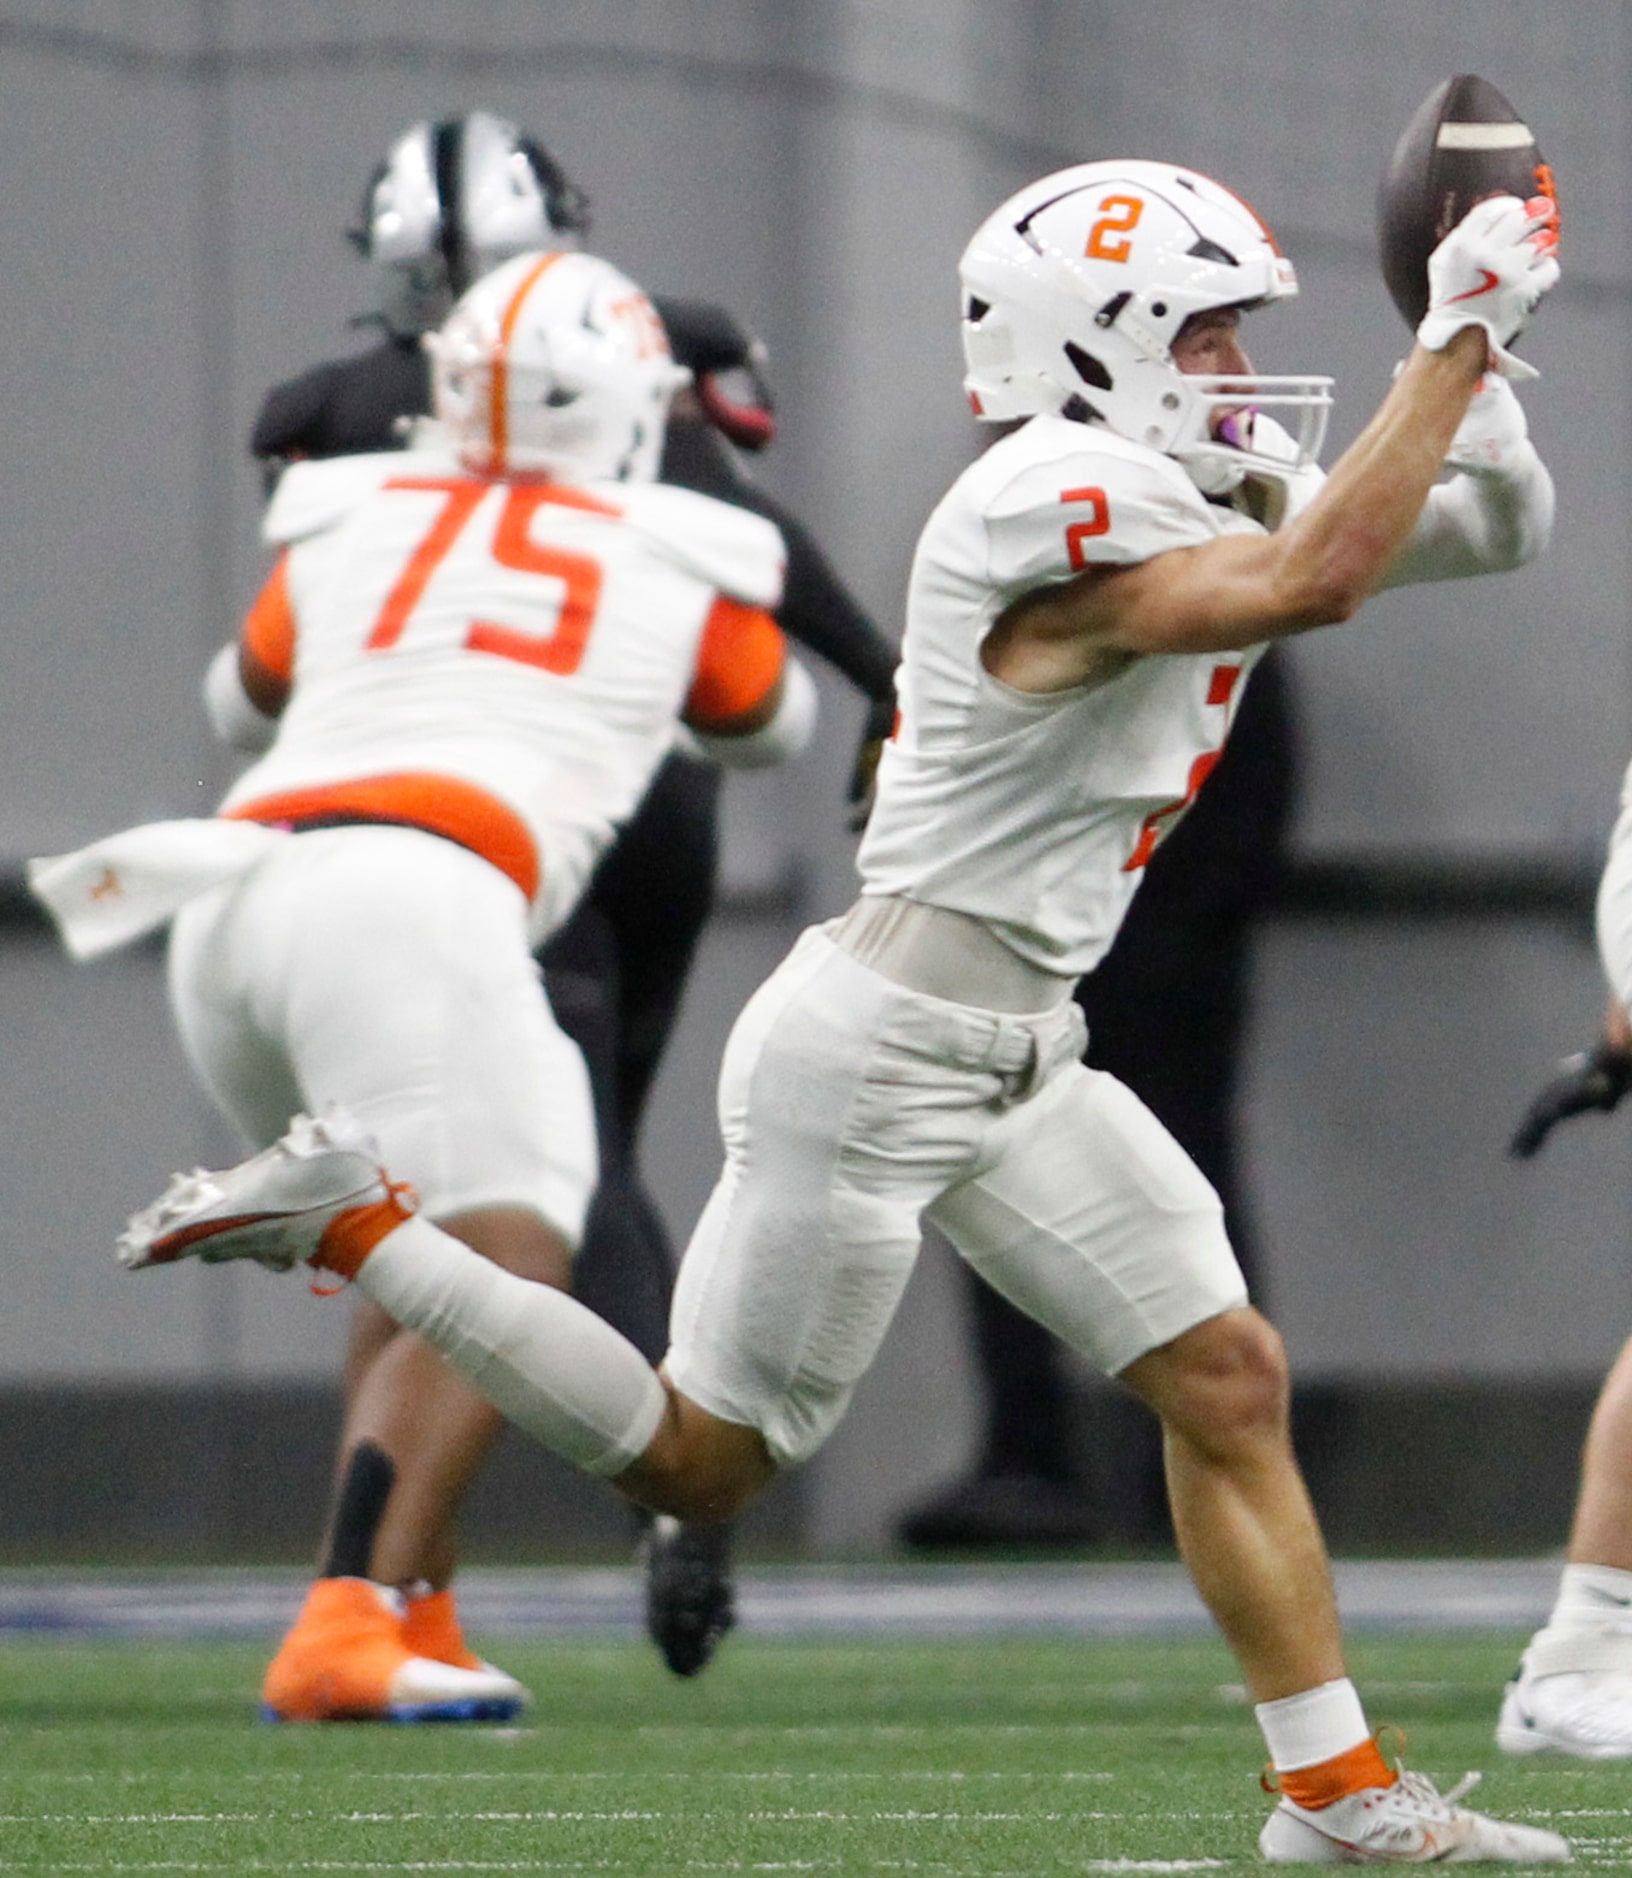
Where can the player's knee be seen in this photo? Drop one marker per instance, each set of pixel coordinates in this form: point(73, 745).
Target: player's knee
point(709, 1494)
point(1220, 1385)
point(698, 1467)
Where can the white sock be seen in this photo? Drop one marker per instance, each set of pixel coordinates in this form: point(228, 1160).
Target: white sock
point(1593, 1597)
point(557, 1370)
point(1312, 1726)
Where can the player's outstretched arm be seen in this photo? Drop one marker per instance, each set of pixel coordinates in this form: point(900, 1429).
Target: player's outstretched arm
point(1240, 590)
point(1485, 279)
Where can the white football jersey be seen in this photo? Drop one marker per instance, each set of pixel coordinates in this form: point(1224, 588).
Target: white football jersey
point(1038, 812)
point(1614, 903)
point(519, 644)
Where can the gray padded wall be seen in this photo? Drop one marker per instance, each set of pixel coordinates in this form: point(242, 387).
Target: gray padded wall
point(177, 180)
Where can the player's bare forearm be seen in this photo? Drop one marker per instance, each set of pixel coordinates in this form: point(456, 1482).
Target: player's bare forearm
point(1317, 571)
point(1365, 514)
point(1240, 590)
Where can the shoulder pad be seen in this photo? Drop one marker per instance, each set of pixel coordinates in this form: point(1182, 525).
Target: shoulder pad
point(1090, 454)
point(733, 549)
point(313, 496)
point(1058, 496)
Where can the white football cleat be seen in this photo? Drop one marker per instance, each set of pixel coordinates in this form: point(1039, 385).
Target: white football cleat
point(1583, 1713)
point(273, 1208)
point(1409, 1823)
point(1572, 1695)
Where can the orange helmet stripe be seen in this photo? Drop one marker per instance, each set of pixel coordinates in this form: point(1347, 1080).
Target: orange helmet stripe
point(1263, 227)
point(498, 428)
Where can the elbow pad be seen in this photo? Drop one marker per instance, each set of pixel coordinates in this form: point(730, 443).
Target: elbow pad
point(1492, 447)
point(1480, 523)
point(233, 716)
point(786, 735)
point(1518, 507)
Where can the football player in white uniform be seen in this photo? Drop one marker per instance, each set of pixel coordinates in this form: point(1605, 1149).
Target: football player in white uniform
point(466, 665)
point(1084, 608)
point(1572, 1693)
point(453, 199)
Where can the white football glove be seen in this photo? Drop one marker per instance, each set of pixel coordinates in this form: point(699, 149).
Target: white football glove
point(1490, 271)
point(1493, 437)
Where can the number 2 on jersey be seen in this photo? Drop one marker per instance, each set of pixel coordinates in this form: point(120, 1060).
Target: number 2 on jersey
point(560, 651)
point(1096, 522)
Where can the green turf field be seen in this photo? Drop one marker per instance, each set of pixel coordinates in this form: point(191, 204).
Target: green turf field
point(1022, 1758)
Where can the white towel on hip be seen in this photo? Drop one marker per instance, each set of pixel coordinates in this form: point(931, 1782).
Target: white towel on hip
point(105, 895)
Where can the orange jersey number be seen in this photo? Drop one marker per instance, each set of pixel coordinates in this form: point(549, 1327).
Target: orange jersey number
point(561, 650)
point(1096, 522)
point(1220, 689)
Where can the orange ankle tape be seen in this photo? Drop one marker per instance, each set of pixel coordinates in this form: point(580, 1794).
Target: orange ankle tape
point(1350, 1772)
point(350, 1236)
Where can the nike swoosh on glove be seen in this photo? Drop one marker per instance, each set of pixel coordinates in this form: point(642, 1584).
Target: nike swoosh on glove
point(1491, 270)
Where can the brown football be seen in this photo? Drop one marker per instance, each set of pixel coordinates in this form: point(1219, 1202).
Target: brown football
point(1465, 142)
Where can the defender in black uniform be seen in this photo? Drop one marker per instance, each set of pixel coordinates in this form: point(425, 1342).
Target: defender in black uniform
point(453, 200)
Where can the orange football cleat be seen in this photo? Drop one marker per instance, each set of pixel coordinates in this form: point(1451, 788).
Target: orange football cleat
point(430, 1627)
point(347, 1659)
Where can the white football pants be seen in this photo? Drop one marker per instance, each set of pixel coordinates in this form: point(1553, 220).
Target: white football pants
point(853, 1111)
point(389, 971)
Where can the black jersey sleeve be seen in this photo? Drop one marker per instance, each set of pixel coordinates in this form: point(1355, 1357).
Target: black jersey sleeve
point(344, 406)
point(702, 336)
point(819, 611)
point(817, 608)
point(291, 416)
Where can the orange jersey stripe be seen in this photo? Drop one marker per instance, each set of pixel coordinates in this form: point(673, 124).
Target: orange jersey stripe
point(440, 805)
point(269, 627)
point(1263, 226)
point(739, 660)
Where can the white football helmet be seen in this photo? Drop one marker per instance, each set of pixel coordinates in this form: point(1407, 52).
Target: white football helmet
point(451, 201)
point(555, 362)
point(1074, 290)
